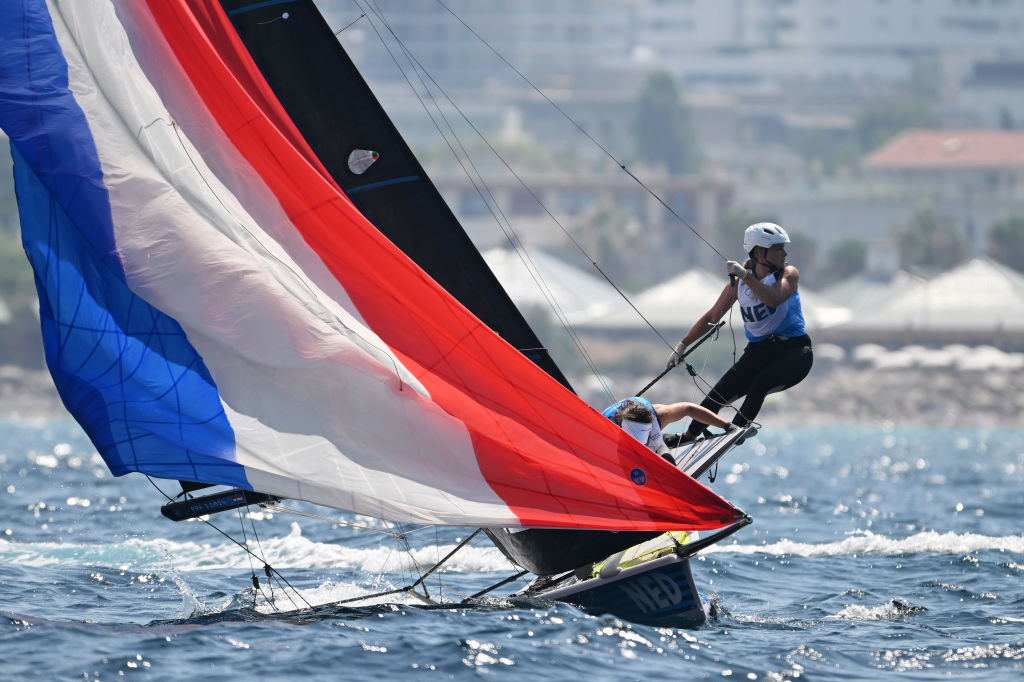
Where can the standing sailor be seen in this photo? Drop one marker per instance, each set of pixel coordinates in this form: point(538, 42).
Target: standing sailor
point(778, 354)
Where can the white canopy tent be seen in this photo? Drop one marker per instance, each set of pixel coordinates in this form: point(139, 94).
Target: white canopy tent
point(532, 276)
point(868, 291)
point(979, 301)
point(677, 304)
point(674, 304)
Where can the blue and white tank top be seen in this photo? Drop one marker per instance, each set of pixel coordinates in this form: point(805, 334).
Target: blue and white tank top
point(761, 321)
point(656, 438)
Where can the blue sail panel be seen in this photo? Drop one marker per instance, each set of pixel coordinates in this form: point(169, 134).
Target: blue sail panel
point(125, 370)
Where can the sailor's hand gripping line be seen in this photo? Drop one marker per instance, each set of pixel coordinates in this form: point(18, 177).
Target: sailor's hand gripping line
point(681, 354)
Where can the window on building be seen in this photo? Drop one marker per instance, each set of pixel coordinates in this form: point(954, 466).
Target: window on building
point(523, 203)
point(576, 201)
point(472, 204)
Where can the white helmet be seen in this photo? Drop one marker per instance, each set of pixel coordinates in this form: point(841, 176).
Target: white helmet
point(763, 234)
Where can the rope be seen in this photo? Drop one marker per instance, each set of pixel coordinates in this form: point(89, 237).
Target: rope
point(239, 544)
point(484, 191)
point(487, 196)
point(581, 129)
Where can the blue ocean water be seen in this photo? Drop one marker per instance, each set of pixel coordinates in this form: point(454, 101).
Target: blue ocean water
point(875, 553)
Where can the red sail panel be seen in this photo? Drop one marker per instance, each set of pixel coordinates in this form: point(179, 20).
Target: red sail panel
point(553, 459)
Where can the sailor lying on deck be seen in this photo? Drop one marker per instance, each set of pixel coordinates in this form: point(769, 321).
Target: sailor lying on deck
point(637, 417)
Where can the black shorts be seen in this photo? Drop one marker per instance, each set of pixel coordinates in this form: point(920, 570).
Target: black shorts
point(768, 366)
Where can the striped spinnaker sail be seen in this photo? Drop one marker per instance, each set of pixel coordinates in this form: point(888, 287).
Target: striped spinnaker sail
point(215, 308)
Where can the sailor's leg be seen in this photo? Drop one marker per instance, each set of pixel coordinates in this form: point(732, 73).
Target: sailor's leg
point(787, 369)
point(733, 384)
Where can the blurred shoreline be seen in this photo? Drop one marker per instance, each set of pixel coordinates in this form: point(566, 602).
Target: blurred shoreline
point(838, 394)
point(943, 397)
point(920, 396)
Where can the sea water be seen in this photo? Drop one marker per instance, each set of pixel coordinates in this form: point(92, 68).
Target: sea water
point(875, 552)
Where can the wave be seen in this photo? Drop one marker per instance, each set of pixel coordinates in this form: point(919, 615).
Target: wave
point(866, 542)
point(894, 609)
point(296, 551)
point(290, 551)
point(989, 660)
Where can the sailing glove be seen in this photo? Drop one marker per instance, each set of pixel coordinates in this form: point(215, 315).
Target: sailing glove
point(677, 356)
point(735, 269)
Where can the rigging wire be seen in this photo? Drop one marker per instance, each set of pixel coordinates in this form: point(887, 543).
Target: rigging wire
point(513, 238)
point(255, 581)
point(613, 158)
point(242, 546)
point(477, 180)
point(581, 129)
point(259, 544)
point(349, 25)
point(524, 184)
point(402, 537)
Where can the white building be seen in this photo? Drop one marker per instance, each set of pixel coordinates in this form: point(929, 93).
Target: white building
point(679, 27)
point(550, 40)
point(736, 40)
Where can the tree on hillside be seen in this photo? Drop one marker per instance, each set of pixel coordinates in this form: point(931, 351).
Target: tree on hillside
point(662, 130)
point(613, 239)
point(1006, 121)
point(847, 258)
point(931, 241)
point(802, 252)
point(1006, 242)
point(827, 149)
point(728, 236)
point(882, 120)
point(926, 79)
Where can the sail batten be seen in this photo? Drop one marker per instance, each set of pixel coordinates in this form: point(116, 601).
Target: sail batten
point(216, 309)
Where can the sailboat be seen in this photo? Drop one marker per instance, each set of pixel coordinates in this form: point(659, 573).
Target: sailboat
point(248, 284)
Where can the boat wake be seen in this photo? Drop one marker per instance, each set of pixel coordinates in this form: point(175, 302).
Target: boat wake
point(295, 551)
